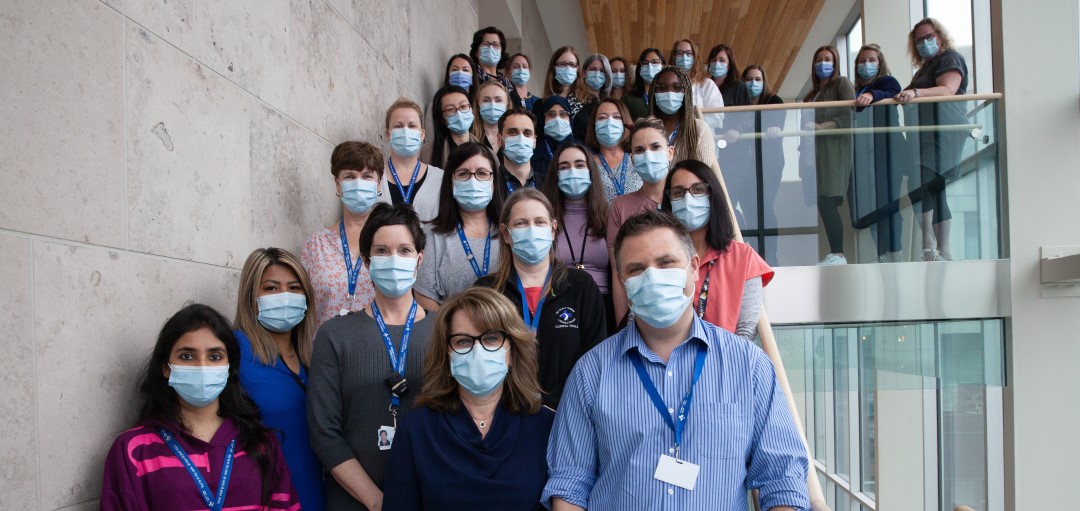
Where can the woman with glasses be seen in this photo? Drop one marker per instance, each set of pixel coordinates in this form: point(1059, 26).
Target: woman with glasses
point(453, 117)
point(517, 141)
point(730, 274)
point(489, 50)
point(405, 174)
point(608, 135)
point(673, 103)
point(460, 240)
point(561, 304)
point(554, 116)
point(649, 65)
point(597, 87)
point(478, 439)
point(520, 72)
point(706, 93)
point(491, 102)
point(365, 367)
point(563, 80)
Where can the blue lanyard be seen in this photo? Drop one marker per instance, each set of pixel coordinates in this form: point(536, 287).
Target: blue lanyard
point(213, 503)
point(674, 133)
point(396, 362)
point(533, 319)
point(620, 186)
point(480, 272)
point(352, 272)
point(677, 424)
point(406, 198)
point(645, 96)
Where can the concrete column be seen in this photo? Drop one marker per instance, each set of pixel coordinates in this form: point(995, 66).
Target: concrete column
point(887, 24)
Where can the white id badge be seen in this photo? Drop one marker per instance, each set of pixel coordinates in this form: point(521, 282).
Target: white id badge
point(680, 473)
point(386, 437)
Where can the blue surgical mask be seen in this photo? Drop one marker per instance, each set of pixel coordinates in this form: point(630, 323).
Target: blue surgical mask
point(519, 76)
point(359, 195)
point(461, 79)
point(490, 56)
point(823, 70)
point(557, 128)
point(460, 122)
point(518, 148)
point(692, 211)
point(649, 71)
point(657, 295)
point(479, 371)
point(531, 244)
point(718, 69)
point(754, 87)
point(405, 141)
point(566, 75)
point(574, 183)
point(595, 79)
point(472, 194)
point(685, 62)
point(618, 80)
point(609, 131)
point(491, 112)
point(928, 48)
point(198, 385)
point(669, 102)
point(281, 312)
point(392, 275)
point(652, 166)
point(866, 70)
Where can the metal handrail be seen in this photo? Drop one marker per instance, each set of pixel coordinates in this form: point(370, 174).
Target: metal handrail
point(849, 103)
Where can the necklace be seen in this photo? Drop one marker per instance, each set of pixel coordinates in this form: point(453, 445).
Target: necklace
point(481, 422)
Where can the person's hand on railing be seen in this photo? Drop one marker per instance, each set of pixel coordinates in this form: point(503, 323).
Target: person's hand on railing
point(864, 99)
point(810, 126)
point(731, 136)
point(772, 132)
point(906, 95)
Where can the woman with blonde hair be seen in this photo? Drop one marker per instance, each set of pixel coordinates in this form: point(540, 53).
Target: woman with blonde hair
point(491, 102)
point(478, 438)
point(405, 174)
point(275, 324)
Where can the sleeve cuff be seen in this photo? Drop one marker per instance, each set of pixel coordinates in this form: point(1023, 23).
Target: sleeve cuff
point(572, 490)
point(785, 492)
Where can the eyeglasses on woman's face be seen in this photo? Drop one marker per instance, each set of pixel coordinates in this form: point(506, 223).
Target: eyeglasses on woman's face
point(492, 340)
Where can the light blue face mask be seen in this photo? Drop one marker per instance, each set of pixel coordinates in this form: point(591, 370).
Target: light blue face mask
point(405, 141)
point(557, 128)
point(359, 195)
point(609, 131)
point(519, 148)
point(618, 80)
point(460, 122)
point(490, 56)
point(669, 102)
point(692, 211)
point(531, 244)
point(718, 69)
point(595, 79)
point(394, 275)
point(519, 76)
point(574, 183)
point(928, 48)
point(566, 75)
point(866, 70)
point(281, 312)
point(198, 385)
point(472, 194)
point(685, 62)
point(461, 79)
point(754, 87)
point(649, 71)
point(656, 295)
point(479, 371)
point(491, 112)
point(652, 166)
point(823, 70)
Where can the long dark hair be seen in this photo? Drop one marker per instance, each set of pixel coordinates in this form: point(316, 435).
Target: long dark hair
point(732, 68)
point(449, 214)
point(720, 230)
point(440, 148)
point(766, 92)
point(472, 66)
point(817, 83)
point(478, 39)
point(161, 404)
point(639, 82)
point(595, 203)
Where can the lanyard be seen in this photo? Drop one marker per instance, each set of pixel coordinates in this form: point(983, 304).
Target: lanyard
point(480, 272)
point(578, 263)
point(674, 133)
point(620, 184)
point(645, 96)
point(213, 503)
point(352, 272)
point(532, 319)
point(678, 424)
point(703, 297)
point(398, 362)
point(405, 197)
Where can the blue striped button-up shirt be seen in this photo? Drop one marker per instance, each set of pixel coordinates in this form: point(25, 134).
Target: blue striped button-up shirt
point(608, 435)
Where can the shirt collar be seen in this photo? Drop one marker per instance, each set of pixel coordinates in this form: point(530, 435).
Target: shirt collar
point(635, 342)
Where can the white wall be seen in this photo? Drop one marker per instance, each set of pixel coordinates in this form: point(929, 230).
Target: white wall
point(146, 148)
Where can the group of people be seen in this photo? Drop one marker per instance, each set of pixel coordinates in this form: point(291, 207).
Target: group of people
point(445, 343)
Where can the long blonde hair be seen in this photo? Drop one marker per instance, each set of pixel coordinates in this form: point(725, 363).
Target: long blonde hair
point(247, 308)
point(698, 73)
point(478, 124)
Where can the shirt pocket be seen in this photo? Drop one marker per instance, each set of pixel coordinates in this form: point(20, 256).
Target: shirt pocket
point(722, 432)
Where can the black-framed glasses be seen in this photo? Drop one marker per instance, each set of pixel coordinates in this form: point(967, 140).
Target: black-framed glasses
point(491, 341)
point(491, 44)
point(684, 53)
point(655, 62)
point(566, 64)
point(480, 174)
point(667, 87)
point(926, 37)
point(696, 189)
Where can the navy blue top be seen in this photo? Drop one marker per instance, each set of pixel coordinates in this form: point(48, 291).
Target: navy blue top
point(440, 462)
point(283, 408)
point(884, 87)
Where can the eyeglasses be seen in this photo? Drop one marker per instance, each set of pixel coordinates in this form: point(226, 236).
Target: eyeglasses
point(466, 174)
point(447, 111)
point(925, 38)
point(669, 87)
point(696, 189)
point(565, 64)
point(684, 53)
point(495, 45)
point(491, 341)
point(655, 62)
point(551, 114)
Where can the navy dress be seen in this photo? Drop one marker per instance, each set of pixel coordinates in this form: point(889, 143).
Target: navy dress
point(440, 462)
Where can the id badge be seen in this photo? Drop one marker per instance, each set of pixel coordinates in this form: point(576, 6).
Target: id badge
point(678, 472)
point(386, 437)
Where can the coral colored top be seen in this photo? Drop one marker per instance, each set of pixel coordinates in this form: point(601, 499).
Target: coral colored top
point(728, 272)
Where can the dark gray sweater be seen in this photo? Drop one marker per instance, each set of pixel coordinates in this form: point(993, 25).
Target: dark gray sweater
point(348, 398)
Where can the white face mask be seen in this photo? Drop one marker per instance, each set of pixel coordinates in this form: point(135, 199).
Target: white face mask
point(656, 295)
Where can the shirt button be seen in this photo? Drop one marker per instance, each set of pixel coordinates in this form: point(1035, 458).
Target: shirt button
point(671, 450)
point(671, 491)
point(670, 410)
point(670, 374)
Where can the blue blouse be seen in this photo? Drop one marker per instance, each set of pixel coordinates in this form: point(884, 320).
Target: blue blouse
point(440, 462)
point(282, 405)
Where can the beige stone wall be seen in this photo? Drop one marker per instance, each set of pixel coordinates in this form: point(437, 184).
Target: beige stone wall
point(146, 147)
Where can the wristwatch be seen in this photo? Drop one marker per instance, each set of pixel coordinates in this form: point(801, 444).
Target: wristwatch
point(916, 92)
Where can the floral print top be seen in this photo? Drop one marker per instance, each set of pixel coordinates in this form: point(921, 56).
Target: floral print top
point(325, 263)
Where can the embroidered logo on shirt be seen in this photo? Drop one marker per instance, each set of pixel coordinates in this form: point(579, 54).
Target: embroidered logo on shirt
point(566, 316)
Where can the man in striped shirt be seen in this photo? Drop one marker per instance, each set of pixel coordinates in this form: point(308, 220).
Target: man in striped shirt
point(671, 413)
